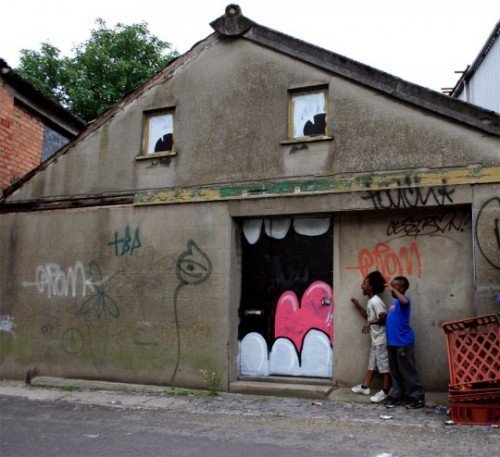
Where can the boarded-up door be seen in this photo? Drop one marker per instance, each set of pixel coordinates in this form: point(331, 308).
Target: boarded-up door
point(286, 307)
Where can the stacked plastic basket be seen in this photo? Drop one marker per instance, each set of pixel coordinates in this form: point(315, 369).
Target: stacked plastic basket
point(474, 362)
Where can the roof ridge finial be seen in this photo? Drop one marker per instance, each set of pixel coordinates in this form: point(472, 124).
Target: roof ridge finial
point(232, 23)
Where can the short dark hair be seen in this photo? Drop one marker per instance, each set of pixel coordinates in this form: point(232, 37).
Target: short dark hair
point(377, 281)
point(404, 281)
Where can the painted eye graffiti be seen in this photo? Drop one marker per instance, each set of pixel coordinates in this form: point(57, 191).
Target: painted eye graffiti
point(193, 266)
point(192, 269)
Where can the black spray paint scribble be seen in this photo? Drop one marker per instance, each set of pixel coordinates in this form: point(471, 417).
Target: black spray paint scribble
point(409, 197)
point(497, 233)
point(448, 221)
point(97, 310)
point(487, 230)
point(192, 267)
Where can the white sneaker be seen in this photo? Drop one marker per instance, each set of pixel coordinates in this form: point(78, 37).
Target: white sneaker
point(361, 390)
point(379, 397)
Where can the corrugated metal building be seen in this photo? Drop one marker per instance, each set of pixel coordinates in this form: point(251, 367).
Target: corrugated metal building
point(480, 84)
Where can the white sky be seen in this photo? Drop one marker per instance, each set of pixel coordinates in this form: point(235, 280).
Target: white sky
point(422, 41)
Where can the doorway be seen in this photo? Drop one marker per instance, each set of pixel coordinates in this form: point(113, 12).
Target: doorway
point(286, 306)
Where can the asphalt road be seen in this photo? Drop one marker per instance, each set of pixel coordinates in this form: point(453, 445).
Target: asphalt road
point(57, 428)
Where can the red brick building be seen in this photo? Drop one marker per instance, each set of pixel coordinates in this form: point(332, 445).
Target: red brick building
point(32, 126)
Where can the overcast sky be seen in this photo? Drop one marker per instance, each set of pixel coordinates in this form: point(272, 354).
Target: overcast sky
point(422, 41)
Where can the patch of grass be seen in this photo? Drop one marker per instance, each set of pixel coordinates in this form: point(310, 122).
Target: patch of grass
point(173, 392)
point(70, 388)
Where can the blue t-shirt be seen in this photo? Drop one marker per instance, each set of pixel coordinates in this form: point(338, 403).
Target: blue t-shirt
point(397, 324)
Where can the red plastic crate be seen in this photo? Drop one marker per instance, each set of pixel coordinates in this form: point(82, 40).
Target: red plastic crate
point(475, 396)
point(473, 352)
point(475, 414)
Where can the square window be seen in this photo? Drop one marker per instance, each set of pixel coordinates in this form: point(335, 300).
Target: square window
point(307, 114)
point(159, 133)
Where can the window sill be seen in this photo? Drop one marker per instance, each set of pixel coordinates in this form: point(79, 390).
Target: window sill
point(157, 155)
point(306, 139)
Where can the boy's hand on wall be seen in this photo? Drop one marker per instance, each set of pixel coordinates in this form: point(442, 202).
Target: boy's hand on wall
point(355, 302)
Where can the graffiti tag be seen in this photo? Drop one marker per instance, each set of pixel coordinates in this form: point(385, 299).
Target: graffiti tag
point(51, 279)
point(409, 197)
point(51, 323)
point(449, 221)
point(72, 341)
point(97, 310)
point(487, 232)
point(7, 324)
point(382, 257)
point(127, 243)
point(497, 233)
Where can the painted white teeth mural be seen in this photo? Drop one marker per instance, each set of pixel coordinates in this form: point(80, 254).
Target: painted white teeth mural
point(252, 229)
point(278, 228)
point(311, 226)
point(287, 303)
point(317, 356)
point(254, 355)
point(302, 329)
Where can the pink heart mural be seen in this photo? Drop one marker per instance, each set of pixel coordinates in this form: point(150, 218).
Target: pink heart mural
point(293, 321)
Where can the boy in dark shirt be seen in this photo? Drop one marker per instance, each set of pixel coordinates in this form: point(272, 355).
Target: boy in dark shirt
point(400, 345)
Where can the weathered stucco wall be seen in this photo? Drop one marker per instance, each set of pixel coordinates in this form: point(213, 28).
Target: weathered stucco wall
point(486, 213)
point(231, 107)
point(92, 293)
point(114, 292)
point(433, 249)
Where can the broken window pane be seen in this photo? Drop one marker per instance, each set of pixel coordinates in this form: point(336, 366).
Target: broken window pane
point(308, 114)
point(160, 133)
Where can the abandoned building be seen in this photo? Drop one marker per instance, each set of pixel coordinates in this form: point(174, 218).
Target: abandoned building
point(223, 215)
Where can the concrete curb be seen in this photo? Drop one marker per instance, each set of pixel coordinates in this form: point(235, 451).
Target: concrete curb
point(341, 394)
point(342, 405)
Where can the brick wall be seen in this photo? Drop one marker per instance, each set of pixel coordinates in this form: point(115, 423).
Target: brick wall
point(21, 139)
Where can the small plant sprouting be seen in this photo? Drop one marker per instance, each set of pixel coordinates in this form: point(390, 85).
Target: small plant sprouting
point(70, 388)
point(212, 379)
point(174, 392)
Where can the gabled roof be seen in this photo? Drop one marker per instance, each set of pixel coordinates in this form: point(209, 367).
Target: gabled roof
point(393, 86)
point(233, 25)
point(45, 106)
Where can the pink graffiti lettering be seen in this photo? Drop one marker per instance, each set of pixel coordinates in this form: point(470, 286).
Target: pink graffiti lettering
point(388, 262)
point(315, 311)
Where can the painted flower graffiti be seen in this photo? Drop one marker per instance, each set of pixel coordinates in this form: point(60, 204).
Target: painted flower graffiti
point(97, 310)
point(192, 267)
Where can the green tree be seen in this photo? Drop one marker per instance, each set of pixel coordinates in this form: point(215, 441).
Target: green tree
point(103, 69)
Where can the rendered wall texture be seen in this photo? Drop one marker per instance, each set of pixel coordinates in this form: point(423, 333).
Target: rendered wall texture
point(152, 294)
point(151, 291)
point(115, 293)
point(231, 108)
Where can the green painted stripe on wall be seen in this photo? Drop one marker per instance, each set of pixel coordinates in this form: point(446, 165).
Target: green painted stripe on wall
point(373, 181)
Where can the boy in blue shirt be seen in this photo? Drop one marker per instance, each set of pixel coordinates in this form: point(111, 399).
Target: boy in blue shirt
point(400, 345)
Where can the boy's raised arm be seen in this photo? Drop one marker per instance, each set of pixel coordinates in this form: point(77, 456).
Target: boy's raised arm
point(360, 309)
point(397, 294)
